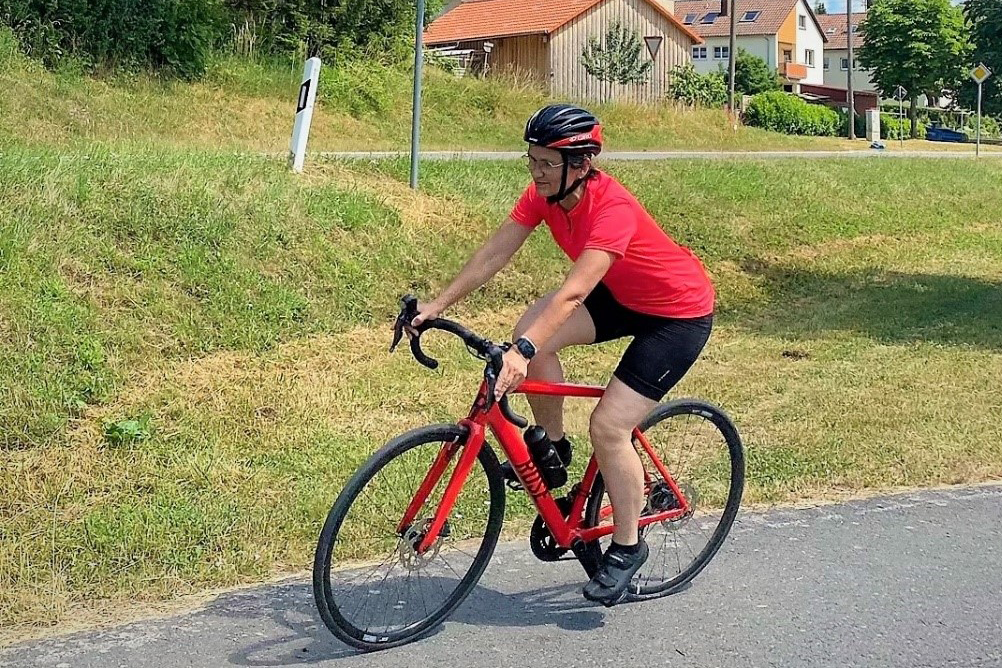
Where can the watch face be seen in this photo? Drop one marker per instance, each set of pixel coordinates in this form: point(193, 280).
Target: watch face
point(525, 348)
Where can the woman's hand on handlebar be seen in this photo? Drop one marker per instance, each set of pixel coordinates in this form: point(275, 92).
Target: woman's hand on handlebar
point(513, 371)
point(425, 312)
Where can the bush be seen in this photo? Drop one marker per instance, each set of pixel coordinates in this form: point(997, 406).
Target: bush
point(781, 112)
point(752, 75)
point(989, 127)
point(172, 35)
point(843, 124)
point(699, 90)
point(892, 127)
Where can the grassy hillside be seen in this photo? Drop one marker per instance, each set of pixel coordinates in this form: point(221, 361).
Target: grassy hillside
point(193, 345)
point(249, 105)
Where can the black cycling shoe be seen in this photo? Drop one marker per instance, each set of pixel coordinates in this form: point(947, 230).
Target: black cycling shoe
point(565, 450)
point(611, 584)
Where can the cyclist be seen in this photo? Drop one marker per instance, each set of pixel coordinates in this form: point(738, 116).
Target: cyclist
point(628, 278)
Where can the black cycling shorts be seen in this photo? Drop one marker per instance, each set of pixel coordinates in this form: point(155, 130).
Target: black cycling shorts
point(662, 350)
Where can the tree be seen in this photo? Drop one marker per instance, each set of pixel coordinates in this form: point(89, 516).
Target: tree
point(818, 9)
point(922, 45)
point(985, 20)
point(698, 90)
point(324, 25)
point(621, 59)
point(752, 75)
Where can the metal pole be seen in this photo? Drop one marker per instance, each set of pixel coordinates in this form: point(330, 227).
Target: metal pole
point(416, 107)
point(731, 66)
point(901, 119)
point(849, 95)
point(977, 145)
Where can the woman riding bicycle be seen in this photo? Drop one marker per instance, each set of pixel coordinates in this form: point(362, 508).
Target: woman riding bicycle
point(628, 278)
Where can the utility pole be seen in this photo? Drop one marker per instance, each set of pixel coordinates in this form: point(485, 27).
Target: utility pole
point(733, 53)
point(729, 8)
point(852, 66)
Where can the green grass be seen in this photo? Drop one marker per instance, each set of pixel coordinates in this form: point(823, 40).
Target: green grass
point(248, 105)
point(238, 316)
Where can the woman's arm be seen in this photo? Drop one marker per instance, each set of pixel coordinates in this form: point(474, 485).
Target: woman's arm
point(586, 273)
point(489, 259)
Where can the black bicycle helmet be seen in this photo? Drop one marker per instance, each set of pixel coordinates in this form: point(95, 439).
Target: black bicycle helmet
point(568, 129)
point(565, 128)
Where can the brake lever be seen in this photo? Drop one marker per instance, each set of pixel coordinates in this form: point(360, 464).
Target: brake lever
point(407, 314)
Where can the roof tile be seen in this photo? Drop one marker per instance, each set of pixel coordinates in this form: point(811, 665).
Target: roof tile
point(482, 19)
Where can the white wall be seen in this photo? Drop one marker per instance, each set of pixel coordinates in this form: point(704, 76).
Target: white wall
point(811, 38)
point(761, 46)
point(835, 76)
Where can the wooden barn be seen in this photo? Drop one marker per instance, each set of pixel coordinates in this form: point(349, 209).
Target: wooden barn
point(546, 41)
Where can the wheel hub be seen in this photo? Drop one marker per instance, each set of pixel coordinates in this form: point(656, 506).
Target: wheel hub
point(661, 498)
point(410, 541)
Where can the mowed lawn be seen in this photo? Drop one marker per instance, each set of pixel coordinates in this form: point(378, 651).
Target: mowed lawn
point(238, 317)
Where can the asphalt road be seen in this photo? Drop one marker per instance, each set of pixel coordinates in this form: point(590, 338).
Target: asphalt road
point(912, 580)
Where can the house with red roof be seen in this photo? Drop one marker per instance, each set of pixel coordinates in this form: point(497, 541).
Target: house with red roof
point(546, 41)
point(836, 64)
point(786, 34)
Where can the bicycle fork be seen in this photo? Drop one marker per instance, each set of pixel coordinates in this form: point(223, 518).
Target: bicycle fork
point(467, 459)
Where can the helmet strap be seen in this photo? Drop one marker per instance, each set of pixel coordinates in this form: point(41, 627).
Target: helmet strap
point(566, 190)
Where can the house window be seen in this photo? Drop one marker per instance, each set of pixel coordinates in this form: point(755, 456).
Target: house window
point(828, 63)
point(830, 31)
point(710, 18)
point(787, 56)
point(809, 57)
point(802, 22)
point(699, 53)
point(690, 19)
point(845, 64)
point(750, 17)
point(721, 52)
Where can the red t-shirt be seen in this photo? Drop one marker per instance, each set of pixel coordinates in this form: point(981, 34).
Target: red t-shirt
point(651, 274)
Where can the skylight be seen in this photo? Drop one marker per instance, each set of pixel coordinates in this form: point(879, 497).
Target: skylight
point(750, 17)
point(710, 18)
point(690, 19)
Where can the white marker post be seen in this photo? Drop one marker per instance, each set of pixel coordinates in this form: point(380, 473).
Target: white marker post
point(304, 114)
point(980, 74)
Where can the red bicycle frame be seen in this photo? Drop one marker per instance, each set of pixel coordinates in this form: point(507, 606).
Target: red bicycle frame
point(567, 531)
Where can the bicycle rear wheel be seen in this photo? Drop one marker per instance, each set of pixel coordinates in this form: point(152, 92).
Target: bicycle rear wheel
point(702, 451)
point(397, 594)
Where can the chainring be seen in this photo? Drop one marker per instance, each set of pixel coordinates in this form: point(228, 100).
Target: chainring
point(544, 545)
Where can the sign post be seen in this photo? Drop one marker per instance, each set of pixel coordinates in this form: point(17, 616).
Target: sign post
point(980, 74)
point(304, 114)
point(901, 93)
point(416, 108)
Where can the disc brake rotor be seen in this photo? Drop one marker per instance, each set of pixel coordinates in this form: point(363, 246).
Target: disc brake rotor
point(410, 558)
point(661, 498)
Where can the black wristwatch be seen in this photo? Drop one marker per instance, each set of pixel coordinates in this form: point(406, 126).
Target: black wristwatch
point(525, 348)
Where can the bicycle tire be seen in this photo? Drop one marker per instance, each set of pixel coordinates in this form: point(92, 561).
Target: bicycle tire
point(679, 407)
point(329, 608)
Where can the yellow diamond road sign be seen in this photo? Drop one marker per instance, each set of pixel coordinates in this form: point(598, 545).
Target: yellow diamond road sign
point(980, 73)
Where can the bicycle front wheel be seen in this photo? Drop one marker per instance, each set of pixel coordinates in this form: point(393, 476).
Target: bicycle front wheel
point(373, 588)
point(701, 449)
